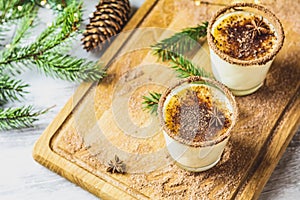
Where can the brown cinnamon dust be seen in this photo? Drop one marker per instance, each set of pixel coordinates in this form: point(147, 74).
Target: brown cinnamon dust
point(244, 37)
point(189, 114)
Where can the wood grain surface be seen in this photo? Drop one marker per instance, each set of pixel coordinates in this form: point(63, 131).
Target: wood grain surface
point(35, 182)
point(94, 126)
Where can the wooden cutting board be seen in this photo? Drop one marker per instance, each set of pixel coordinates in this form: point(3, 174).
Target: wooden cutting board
point(106, 118)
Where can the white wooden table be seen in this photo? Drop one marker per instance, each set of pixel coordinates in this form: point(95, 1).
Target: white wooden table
point(22, 178)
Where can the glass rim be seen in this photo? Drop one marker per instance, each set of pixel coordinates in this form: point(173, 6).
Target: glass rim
point(238, 7)
point(194, 80)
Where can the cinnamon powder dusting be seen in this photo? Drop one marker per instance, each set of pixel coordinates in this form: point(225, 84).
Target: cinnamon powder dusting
point(191, 115)
point(244, 37)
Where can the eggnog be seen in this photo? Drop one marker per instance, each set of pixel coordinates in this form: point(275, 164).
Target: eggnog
point(197, 118)
point(244, 39)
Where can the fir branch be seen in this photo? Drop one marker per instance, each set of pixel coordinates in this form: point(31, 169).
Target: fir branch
point(11, 89)
point(45, 52)
point(54, 4)
point(14, 9)
point(12, 13)
point(68, 67)
point(180, 42)
point(186, 68)
point(18, 117)
point(25, 23)
point(63, 28)
point(173, 49)
point(151, 102)
point(67, 22)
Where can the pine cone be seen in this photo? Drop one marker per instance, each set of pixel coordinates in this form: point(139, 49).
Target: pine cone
point(106, 22)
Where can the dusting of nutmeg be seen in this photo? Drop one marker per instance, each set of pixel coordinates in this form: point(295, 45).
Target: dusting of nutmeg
point(245, 36)
point(193, 116)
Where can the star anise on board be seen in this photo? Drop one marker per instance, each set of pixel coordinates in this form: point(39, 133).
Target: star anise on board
point(217, 117)
point(116, 166)
point(257, 27)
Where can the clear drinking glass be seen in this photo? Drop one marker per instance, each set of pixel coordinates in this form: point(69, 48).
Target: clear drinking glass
point(197, 116)
point(243, 39)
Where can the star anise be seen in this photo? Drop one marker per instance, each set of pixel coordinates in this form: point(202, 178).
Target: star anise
point(217, 117)
point(257, 27)
point(116, 166)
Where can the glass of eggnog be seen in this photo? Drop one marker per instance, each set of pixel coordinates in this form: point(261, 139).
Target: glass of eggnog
point(243, 39)
point(197, 116)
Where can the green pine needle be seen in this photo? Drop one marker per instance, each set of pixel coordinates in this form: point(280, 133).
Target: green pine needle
point(180, 42)
point(68, 67)
point(26, 22)
point(48, 53)
point(173, 49)
point(12, 13)
point(151, 102)
point(14, 9)
point(11, 89)
point(186, 68)
point(64, 27)
point(21, 117)
point(55, 4)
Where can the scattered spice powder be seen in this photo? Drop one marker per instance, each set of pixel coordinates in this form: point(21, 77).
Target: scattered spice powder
point(244, 37)
point(190, 114)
